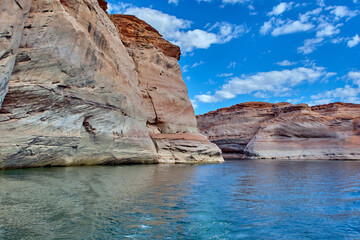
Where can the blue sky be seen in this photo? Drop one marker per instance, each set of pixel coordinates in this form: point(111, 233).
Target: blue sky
point(235, 51)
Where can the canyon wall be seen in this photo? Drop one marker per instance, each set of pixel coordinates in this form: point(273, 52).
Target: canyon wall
point(13, 15)
point(78, 96)
point(285, 131)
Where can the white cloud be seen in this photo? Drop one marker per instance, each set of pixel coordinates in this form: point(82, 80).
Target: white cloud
point(117, 8)
point(194, 103)
point(232, 65)
point(327, 29)
point(324, 21)
point(342, 12)
point(260, 95)
point(206, 98)
point(310, 45)
point(285, 63)
point(176, 2)
point(280, 8)
point(291, 27)
point(235, 1)
point(345, 94)
point(320, 3)
point(354, 41)
point(225, 75)
point(197, 64)
point(266, 27)
point(295, 100)
point(355, 77)
point(228, 1)
point(178, 30)
point(278, 83)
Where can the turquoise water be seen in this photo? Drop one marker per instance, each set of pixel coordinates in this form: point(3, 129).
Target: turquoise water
point(234, 200)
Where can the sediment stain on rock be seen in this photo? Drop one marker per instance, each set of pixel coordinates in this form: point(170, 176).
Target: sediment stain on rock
point(75, 96)
point(285, 131)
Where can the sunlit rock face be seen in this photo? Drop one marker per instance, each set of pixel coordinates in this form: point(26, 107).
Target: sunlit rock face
point(285, 131)
point(13, 15)
point(171, 120)
point(75, 96)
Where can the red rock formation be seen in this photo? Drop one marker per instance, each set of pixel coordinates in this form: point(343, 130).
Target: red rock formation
point(77, 97)
point(135, 32)
point(103, 4)
point(285, 131)
point(169, 110)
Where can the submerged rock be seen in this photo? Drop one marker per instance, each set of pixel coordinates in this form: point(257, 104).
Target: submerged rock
point(77, 97)
point(285, 131)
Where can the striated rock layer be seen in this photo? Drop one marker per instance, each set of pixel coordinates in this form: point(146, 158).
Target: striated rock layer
point(76, 97)
point(13, 15)
point(285, 131)
point(171, 119)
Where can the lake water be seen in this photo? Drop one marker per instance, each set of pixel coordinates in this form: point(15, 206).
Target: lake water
point(234, 200)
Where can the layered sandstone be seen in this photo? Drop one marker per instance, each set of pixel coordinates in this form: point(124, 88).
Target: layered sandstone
point(75, 95)
point(285, 131)
point(13, 15)
point(171, 119)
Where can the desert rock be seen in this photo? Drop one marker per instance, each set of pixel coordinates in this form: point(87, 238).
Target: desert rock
point(169, 110)
point(75, 97)
point(13, 15)
point(285, 131)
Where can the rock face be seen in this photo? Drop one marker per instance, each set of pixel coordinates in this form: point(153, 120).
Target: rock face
point(13, 15)
point(171, 119)
point(76, 97)
point(285, 131)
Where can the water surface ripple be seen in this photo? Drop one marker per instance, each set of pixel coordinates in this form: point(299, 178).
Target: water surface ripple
point(234, 200)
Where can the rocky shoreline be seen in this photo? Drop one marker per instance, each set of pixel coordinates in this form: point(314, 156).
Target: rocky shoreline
point(262, 130)
point(87, 88)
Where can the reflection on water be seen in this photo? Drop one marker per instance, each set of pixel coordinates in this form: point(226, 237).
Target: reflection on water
point(234, 200)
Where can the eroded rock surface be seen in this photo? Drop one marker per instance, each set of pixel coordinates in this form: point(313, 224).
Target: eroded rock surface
point(13, 15)
point(285, 131)
point(75, 95)
point(169, 110)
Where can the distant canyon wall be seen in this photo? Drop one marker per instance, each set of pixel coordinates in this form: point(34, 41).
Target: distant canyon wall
point(285, 131)
point(86, 88)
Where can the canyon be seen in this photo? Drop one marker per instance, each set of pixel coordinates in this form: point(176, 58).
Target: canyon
point(81, 87)
point(259, 130)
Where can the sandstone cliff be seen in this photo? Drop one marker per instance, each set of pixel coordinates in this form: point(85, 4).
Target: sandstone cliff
point(77, 97)
point(285, 131)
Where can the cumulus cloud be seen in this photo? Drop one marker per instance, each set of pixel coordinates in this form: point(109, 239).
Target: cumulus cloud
point(354, 41)
point(310, 45)
point(326, 22)
point(355, 77)
point(280, 8)
point(278, 83)
point(291, 27)
point(342, 12)
point(179, 32)
point(347, 93)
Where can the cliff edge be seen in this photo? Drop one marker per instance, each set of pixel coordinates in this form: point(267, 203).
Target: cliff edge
point(78, 96)
point(285, 131)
